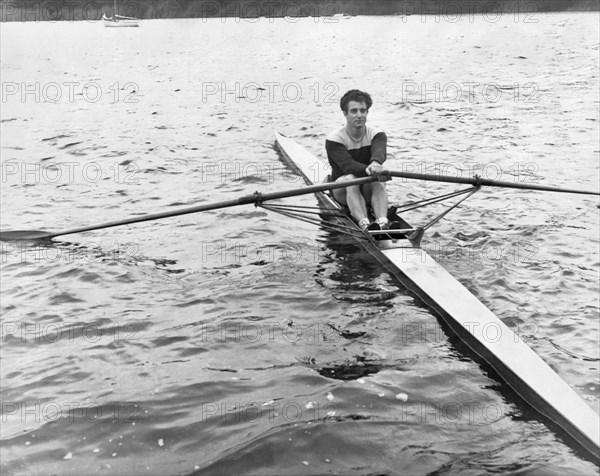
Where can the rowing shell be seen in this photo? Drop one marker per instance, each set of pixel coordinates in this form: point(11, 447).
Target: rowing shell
point(513, 360)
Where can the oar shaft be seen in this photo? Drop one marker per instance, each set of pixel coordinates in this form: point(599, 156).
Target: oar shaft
point(149, 217)
point(487, 182)
point(245, 200)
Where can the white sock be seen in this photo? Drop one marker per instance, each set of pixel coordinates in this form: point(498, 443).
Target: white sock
point(364, 223)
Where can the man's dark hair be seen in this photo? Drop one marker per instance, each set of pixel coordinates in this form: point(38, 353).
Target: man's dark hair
point(355, 95)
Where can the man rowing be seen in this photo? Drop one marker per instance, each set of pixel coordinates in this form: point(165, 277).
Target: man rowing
point(357, 150)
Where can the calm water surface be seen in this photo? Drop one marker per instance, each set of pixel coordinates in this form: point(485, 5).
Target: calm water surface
point(239, 341)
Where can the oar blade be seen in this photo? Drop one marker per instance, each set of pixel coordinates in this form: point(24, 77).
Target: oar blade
point(25, 235)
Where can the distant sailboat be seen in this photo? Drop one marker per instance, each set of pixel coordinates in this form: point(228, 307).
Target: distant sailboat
point(118, 20)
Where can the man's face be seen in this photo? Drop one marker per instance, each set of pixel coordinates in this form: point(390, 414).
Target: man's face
point(357, 114)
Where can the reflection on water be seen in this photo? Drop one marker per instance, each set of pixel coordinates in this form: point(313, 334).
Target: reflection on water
point(239, 340)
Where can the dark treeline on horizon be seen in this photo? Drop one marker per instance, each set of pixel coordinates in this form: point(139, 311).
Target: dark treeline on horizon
point(452, 10)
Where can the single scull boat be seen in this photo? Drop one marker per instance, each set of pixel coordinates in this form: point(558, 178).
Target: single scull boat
point(399, 251)
point(513, 360)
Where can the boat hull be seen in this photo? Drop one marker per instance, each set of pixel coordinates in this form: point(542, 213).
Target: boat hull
point(119, 24)
point(493, 342)
point(123, 22)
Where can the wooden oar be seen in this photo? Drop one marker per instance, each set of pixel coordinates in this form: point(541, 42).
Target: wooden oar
point(255, 198)
point(486, 182)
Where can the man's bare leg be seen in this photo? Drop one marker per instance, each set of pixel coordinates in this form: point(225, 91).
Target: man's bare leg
point(375, 195)
point(379, 201)
point(353, 198)
point(379, 204)
point(356, 203)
